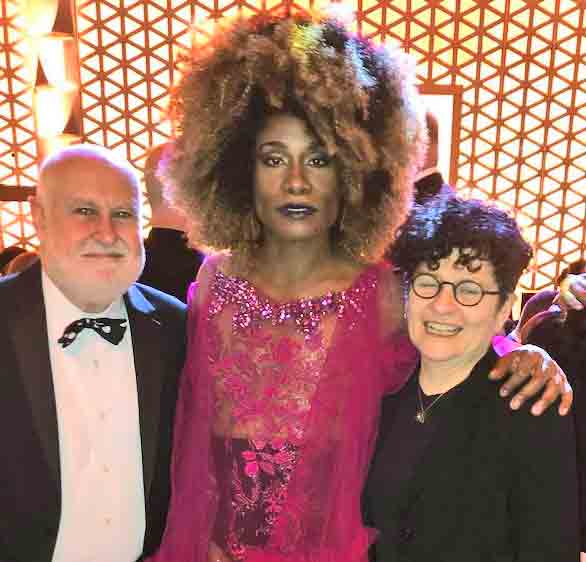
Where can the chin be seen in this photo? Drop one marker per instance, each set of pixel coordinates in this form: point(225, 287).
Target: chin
point(102, 297)
point(433, 353)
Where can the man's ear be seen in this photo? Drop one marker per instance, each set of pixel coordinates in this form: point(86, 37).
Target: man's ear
point(37, 212)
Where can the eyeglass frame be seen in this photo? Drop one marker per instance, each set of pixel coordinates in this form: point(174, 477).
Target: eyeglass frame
point(454, 286)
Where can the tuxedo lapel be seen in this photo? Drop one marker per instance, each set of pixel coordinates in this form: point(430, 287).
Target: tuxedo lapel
point(146, 330)
point(29, 334)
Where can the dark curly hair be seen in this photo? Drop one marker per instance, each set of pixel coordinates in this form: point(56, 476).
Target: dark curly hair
point(358, 99)
point(473, 228)
point(575, 268)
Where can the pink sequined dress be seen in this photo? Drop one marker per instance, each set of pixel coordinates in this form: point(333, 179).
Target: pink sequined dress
point(277, 418)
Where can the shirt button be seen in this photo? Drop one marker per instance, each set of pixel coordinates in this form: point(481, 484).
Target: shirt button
point(108, 520)
point(106, 469)
point(96, 363)
point(406, 534)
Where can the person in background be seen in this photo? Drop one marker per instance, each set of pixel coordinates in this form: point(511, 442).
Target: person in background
point(297, 143)
point(429, 181)
point(90, 363)
point(563, 337)
point(577, 267)
point(544, 304)
point(457, 475)
point(21, 262)
point(171, 265)
point(7, 255)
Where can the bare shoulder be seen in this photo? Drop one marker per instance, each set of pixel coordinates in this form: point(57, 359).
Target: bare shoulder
point(214, 262)
point(206, 275)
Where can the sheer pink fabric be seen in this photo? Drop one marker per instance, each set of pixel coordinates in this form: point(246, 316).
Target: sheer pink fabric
point(309, 373)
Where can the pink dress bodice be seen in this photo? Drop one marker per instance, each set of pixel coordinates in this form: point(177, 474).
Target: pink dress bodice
point(276, 419)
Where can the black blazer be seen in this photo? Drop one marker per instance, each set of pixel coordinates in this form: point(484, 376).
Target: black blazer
point(493, 484)
point(30, 487)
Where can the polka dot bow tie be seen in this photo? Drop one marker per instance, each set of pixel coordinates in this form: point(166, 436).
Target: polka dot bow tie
point(111, 329)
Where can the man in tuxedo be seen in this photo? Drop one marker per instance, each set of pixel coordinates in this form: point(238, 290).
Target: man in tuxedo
point(429, 181)
point(88, 375)
point(171, 265)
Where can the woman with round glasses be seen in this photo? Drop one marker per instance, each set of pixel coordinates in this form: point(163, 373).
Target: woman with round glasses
point(457, 475)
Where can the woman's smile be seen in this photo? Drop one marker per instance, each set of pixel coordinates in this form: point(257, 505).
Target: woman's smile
point(442, 329)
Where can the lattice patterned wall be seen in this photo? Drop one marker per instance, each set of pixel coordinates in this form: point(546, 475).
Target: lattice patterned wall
point(520, 63)
point(17, 129)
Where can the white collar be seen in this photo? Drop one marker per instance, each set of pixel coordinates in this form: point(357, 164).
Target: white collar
point(61, 311)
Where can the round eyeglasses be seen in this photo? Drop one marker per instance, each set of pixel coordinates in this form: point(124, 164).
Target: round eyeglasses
point(467, 293)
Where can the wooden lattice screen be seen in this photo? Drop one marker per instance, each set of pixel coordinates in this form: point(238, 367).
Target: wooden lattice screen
point(520, 64)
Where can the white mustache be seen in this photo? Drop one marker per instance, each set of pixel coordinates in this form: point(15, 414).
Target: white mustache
point(99, 249)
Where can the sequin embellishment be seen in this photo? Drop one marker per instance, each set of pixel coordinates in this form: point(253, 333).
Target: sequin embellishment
point(307, 313)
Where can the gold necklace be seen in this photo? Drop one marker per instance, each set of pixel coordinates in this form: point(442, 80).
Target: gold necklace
point(422, 411)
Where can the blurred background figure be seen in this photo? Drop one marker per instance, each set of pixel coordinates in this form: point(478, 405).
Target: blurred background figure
point(563, 337)
point(171, 265)
point(575, 268)
point(21, 262)
point(429, 181)
point(7, 255)
point(542, 305)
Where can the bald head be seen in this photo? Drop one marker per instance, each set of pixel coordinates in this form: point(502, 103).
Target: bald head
point(164, 214)
point(83, 159)
point(87, 217)
point(432, 153)
point(154, 186)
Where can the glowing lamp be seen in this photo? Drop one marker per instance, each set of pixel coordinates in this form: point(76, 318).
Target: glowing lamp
point(39, 15)
point(58, 56)
point(52, 108)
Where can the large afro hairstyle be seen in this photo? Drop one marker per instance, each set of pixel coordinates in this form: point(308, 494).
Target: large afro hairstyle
point(358, 99)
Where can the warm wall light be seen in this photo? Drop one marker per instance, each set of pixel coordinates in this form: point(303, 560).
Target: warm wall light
point(51, 144)
point(39, 15)
point(58, 56)
point(52, 108)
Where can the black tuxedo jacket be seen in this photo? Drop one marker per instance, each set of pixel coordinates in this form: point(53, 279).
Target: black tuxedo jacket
point(30, 486)
point(171, 265)
point(493, 485)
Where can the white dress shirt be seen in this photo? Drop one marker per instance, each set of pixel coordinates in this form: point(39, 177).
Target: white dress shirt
point(102, 492)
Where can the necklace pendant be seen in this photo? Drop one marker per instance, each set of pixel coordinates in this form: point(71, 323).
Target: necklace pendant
point(420, 417)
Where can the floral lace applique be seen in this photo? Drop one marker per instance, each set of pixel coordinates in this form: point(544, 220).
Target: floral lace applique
point(268, 380)
point(260, 474)
point(307, 313)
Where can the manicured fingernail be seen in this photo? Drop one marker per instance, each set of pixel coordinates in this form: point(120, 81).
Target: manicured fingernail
point(515, 403)
point(563, 411)
point(504, 391)
point(536, 410)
